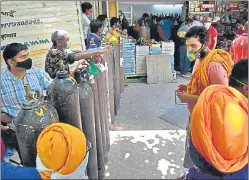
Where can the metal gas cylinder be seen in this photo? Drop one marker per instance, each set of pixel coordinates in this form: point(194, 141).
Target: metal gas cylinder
point(103, 106)
point(87, 119)
point(103, 112)
point(109, 60)
point(99, 139)
point(31, 120)
point(64, 96)
point(122, 76)
point(143, 32)
point(116, 77)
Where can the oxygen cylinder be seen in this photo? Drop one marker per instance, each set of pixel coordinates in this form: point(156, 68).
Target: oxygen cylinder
point(31, 120)
point(99, 140)
point(107, 123)
point(64, 96)
point(102, 108)
point(122, 79)
point(121, 69)
point(109, 61)
point(87, 119)
point(116, 77)
point(143, 32)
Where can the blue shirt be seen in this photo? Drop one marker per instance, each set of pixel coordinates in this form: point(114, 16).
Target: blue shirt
point(10, 171)
point(12, 88)
point(200, 162)
point(97, 39)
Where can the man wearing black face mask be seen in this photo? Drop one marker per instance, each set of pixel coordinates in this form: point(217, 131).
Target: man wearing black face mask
point(19, 72)
point(211, 67)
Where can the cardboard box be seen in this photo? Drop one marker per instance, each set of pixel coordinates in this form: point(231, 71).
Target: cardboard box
point(158, 69)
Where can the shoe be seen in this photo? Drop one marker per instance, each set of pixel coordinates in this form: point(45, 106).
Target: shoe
point(178, 73)
point(188, 75)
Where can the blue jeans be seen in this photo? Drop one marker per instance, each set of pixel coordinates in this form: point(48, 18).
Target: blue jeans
point(172, 61)
point(184, 61)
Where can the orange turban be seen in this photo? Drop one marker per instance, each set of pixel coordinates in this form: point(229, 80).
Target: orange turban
point(219, 128)
point(61, 148)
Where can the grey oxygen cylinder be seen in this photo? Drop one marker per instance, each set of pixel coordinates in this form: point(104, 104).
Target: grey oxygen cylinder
point(88, 119)
point(99, 142)
point(31, 120)
point(64, 96)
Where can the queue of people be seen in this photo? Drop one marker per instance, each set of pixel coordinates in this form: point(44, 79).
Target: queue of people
point(216, 97)
point(19, 71)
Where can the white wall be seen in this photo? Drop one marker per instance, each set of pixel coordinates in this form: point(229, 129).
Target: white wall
point(138, 10)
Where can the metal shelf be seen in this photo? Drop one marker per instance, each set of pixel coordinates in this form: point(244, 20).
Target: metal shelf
point(202, 12)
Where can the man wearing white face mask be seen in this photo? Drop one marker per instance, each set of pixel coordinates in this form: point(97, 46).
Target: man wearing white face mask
point(212, 32)
point(60, 50)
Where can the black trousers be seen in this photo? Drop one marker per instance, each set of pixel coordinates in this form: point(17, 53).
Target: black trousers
point(10, 140)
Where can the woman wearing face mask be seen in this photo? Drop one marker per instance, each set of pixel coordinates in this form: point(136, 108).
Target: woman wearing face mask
point(211, 67)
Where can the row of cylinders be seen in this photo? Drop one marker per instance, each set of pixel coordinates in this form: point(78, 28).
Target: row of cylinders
point(87, 102)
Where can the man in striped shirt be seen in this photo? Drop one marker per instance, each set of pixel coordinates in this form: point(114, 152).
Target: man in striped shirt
point(19, 72)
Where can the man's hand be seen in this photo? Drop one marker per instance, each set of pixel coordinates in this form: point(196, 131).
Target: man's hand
point(85, 64)
point(81, 64)
point(183, 97)
point(4, 128)
point(106, 50)
point(181, 88)
point(187, 98)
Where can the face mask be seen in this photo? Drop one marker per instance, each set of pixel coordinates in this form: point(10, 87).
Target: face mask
point(89, 12)
point(27, 64)
point(68, 45)
point(192, 55)
point(207, 25)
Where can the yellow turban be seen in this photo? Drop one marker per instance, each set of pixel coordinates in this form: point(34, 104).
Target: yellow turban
point(61, 148)
point(219, 128)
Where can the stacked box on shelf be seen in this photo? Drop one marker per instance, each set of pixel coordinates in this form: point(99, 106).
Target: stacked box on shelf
point(155, 50)
point(141, 53)
point(127, 40)
point(129, 58)
point(168, 48)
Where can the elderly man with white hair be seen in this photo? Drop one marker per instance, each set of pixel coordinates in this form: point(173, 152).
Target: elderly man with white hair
point(60, 50)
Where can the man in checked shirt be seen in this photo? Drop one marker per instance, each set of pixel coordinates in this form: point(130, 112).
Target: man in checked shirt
point(72, 59)
point(19, 72)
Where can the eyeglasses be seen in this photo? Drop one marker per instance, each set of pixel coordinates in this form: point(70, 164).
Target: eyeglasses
point(240, 82)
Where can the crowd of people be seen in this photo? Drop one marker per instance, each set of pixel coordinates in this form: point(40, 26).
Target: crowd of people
point(216, 97)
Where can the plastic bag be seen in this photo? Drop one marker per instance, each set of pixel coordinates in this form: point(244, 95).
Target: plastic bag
point(93, 68)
